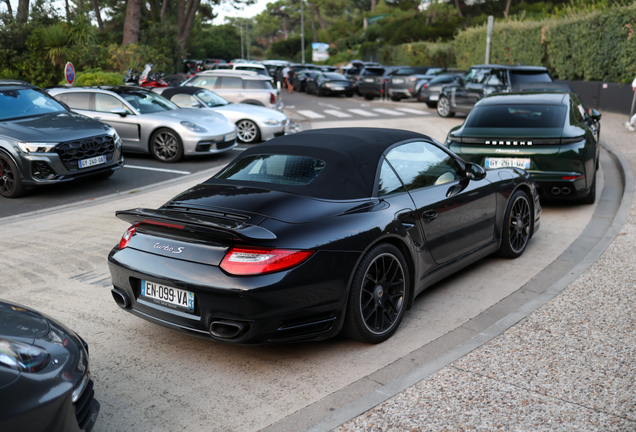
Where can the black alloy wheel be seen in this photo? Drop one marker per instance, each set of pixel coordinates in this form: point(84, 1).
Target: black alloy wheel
point(444, 108)
point(166, 146)
point(517, 226)
point(247, 131)
point(10, 183)
point(377, 299)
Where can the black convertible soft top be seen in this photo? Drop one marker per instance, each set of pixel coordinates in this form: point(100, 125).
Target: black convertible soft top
point(351, 157)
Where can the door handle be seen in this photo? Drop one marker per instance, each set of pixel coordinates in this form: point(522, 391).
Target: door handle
point(429, 216)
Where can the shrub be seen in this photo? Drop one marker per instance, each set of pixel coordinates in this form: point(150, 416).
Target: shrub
point(440, 54)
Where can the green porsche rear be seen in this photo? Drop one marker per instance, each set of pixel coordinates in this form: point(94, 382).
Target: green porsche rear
point(548, 134)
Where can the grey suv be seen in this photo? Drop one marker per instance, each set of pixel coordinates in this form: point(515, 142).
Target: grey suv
point(239, 87)
point(42, 142)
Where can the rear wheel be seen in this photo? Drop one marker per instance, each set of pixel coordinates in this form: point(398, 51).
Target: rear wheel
point(247, 131)
point(591, 197)
point(395, 98)
point(166, 146)
point(378, 295)
point(10, 183)
point(517, 226)
point(431, 105)
point(444, 108)
point(368, 97)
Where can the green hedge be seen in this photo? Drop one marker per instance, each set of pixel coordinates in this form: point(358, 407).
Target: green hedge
point(598, 46)
point(96, 77)
point(418, 54)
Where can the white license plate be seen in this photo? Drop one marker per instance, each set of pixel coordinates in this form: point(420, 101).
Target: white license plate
point(398, 81)
point(493, 163)
point(369, 80)
point(97, 160)
point(229, 137)
point(338, 88)
point(166, 294)
point(434, 97)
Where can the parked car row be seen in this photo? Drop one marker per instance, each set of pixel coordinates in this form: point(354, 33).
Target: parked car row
point(77, 132)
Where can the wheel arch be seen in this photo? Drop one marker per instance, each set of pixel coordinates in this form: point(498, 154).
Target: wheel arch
point(525, 188)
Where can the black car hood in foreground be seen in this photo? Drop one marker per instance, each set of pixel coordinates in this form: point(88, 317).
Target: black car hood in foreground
point(16, 321)
point(282, 206)
point(58, 127)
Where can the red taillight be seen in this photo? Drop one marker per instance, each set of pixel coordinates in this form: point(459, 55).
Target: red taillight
point(254, 261)
point(425, 86)
point(125, 239)
point(163, 224)
point(573, 177)
point(272, 98)
point(411, 90)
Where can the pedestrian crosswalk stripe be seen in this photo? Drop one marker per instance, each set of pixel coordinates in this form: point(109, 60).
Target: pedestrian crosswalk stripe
point(363, 113)
point(388, 111)
point(337, 113)
point(413, 111)
point(310, 114)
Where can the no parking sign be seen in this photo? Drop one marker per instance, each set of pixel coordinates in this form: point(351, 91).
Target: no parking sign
point(69, 73)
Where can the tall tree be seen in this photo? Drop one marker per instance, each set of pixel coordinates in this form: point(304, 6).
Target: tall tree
point(98, 16)
point(164, 6)
point(23, 11)
point(9, 8)
point(313, 24)
point(459, 11)
point(132, 23)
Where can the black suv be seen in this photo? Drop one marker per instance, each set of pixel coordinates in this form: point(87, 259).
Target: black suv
point(462, 95)
point(403, 82)
point(373, 81)
point(43, 142)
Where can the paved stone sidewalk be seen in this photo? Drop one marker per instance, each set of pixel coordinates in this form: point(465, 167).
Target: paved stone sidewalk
point(570, 365)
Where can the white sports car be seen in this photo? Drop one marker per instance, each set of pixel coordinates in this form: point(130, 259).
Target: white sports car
point(253, 123)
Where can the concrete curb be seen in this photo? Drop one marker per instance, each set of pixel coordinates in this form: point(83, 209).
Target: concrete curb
point(391, 389)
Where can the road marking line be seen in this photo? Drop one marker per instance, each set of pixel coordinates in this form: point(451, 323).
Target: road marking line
point(310, 114)
point(363, 113)
point(337, 113)
point(388, 111)
point(328, 105)
point(413, 111)
point(157, 169)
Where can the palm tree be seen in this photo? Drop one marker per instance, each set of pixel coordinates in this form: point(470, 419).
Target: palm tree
point(55, 39)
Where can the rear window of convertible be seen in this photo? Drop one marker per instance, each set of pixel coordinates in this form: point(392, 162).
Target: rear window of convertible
point(277, 169)
point(517, 116)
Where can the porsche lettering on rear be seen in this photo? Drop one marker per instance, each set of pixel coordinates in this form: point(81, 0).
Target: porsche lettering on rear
point(169, 248)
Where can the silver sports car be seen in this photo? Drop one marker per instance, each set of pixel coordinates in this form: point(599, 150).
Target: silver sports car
point(254, 123)
point(149, 123)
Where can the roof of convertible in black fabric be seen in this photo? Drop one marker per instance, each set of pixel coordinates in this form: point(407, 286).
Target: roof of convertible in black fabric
point(351, 157)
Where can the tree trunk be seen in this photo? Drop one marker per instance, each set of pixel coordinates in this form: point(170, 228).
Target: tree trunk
point(100, 23)
point(313, 24)
point(372, 5)
point(153, 11)
point(164, 6)
point(285, 26)
point(181, 16)
point(459, 11)
point(322, 23)
point(131, 25)
point(23, 11)
point(507, 9)
point(68, 10)
point(9, 8)
point(185, 27)
point(80, 6)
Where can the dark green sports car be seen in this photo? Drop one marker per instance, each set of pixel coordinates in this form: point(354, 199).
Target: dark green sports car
point(546, 132)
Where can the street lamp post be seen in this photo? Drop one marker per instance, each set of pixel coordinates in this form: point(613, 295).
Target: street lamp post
point(302, 32)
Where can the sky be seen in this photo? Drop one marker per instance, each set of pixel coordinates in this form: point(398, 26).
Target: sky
point(222, 11)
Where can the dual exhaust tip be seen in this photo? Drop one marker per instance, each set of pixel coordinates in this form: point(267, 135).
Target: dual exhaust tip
point(220, 329)
point(561, 191)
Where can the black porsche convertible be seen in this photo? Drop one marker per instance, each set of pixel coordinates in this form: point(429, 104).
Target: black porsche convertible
point(316, 233)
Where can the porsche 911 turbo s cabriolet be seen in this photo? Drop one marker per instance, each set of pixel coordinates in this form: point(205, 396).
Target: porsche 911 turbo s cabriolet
point(316, 233)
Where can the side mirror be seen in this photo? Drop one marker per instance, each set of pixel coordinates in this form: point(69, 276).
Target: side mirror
point(122, 112)
point(594, 115)
point(474, 171)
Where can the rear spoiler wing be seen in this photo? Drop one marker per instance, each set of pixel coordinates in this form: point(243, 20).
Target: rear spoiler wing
point(196, 223)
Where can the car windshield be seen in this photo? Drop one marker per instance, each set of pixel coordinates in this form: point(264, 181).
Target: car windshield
point(521, 77)
point(259, 70)
point(517, 116)
point(277, 169)
point(444, 79)
point(334, 76)
point(146, 102)
point(17, 103)
point(211, 99)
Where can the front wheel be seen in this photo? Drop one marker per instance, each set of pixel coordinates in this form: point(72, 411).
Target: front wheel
point(166, 146)
point(247, 131)
point(444, 108)
point(378, 295)
point(10, 183)
point(517, 224)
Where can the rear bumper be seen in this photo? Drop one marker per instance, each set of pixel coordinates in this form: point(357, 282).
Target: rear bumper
point(305, 303)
